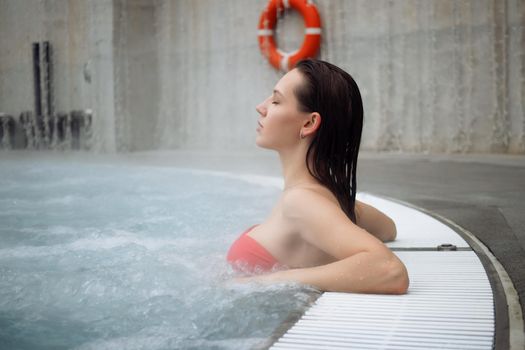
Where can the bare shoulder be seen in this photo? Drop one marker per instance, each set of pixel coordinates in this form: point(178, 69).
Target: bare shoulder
point(297, 201)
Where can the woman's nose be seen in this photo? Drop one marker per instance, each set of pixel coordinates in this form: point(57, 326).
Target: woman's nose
point(261, 108)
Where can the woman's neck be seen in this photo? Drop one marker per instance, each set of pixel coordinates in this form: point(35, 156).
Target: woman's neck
point(294, 168)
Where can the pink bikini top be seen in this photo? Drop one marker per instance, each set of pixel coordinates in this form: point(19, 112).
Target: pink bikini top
point(247, 254)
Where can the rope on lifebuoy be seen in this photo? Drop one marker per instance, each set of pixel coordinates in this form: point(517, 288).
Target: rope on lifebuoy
point(267, 22)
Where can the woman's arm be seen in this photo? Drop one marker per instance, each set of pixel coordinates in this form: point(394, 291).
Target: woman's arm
point(362, 273)
point(375, 222)
point(364, 264)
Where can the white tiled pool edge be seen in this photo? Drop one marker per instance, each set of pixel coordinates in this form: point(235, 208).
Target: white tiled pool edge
point(516, 326)
point(449, 306)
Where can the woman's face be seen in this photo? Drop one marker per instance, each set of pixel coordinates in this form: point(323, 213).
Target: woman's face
point(280, 117)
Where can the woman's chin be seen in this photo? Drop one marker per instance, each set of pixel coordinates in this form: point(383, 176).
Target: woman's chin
point(260, 142)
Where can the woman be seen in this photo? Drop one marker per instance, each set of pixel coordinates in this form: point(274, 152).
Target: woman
point(318, 234)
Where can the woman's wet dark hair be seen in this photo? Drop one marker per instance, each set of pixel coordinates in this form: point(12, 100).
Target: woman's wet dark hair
point(333, 93)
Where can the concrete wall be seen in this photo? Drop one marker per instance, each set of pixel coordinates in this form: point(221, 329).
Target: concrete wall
point(80, 34)
point(436, 76)
point(136, 74)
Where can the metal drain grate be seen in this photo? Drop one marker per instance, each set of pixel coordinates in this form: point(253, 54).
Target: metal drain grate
point(449, 306)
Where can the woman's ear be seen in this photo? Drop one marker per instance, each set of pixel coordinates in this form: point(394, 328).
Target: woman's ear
point(312, 124)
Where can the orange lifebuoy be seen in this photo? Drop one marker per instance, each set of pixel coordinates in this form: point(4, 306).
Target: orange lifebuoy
point(286, 60)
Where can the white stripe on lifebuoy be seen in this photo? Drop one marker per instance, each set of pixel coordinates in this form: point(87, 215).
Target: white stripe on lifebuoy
point(284, 62)
point(286, 3)
point(312, 30)
point(265, 32)
point(285, 59)
point(284, 53)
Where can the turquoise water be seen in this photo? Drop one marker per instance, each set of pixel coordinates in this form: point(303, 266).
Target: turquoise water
point(109, 256)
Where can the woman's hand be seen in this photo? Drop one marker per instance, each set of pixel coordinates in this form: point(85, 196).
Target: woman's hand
point(375, 222)
point(254, 278)
point(242, 279)
point(268, 278)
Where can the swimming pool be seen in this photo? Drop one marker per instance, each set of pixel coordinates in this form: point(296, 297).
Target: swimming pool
point(103, 256)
